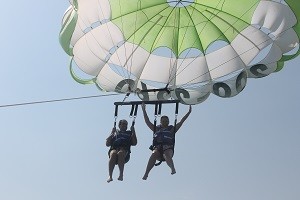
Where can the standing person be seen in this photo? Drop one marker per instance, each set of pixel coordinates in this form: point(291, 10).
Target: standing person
point(163, 140)
point(120, 142)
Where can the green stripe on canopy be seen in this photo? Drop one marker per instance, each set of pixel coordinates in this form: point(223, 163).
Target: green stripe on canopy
point(154, 24)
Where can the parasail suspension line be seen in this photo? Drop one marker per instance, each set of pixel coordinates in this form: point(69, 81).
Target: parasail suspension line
point(116, 115)
point(176, 115)
point(133, 113)
point(126, 96)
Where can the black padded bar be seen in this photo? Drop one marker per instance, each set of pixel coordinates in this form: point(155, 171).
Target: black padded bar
point(157, 90)
point(135, 110)
point(132, 109)
point(159, 108)
point(155, 110)
point(146, 102)
point(177, 106)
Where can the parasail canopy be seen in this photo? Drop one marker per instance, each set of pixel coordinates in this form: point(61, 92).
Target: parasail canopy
point(179, 49)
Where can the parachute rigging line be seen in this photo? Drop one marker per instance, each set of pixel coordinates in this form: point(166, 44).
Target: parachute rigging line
point(177, 36)
point(56, 100)
point(235, 57)
point(209, 19)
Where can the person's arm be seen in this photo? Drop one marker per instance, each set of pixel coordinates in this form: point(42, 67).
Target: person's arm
point(179, 124)
point(109, 138)
point(149, 124)
point(133, 136)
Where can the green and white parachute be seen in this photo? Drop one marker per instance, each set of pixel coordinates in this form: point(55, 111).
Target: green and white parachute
point(190, 47)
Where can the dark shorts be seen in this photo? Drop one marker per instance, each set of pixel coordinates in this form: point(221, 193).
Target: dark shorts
point(127, 153)
point(162, 149)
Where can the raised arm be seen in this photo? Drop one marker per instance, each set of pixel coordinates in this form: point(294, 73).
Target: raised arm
point(179, 124)
point(108, 139)
point(149, 124)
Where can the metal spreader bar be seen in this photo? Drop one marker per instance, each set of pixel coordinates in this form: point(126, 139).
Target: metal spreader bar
point(146, 102)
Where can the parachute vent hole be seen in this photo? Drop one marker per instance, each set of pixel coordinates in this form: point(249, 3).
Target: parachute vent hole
point(216, 46)
point(262, 54)
point(191, 53)
point(122, 71)
point(164, 52)
point(180, 3)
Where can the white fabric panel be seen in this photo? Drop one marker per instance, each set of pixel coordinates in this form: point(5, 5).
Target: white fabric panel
point(131, 57)
point(192, 70)
point(249, 42)
point(158, 69)
point(92, 11)
point(287, 41)
point(106, 36)
point(77, 34)
point(223, 62)
point(195, 96)
point(153, 96)
point(275, 16)
point(270, 62)
point(274, 55)
point(86, 59)
point(108, 80)
point(91, 50)
point(88, 14)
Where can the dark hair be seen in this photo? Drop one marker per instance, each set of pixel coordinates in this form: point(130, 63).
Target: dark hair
point(164, 116)
point(123, 121)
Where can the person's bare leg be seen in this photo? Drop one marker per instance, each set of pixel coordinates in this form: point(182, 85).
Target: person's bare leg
point(168, 154)
point(111, 164)
point(151, 163)
point(121, 163)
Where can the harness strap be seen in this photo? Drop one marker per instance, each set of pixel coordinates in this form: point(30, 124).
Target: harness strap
point(175, 122)
point(133, 113)
point(116, 116)
point(155, 117)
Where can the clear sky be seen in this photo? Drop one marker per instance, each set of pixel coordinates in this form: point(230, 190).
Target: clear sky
point(242, 148)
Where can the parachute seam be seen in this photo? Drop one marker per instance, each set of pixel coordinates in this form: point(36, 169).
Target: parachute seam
point(230, 26)
point(122, 24)
point(173, 68)
point(138, 77)
point(238, 55)
point(197, 38)
point(121, 73)
point(208, 20)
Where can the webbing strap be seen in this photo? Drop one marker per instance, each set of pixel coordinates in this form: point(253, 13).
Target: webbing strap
point(133, 113)
point(116, 116)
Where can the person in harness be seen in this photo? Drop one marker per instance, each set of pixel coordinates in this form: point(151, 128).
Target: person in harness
point(163, 140)
point(120, 142)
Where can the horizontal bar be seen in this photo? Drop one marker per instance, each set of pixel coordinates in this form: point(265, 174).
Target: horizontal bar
point(146, 102)
point(157, 90)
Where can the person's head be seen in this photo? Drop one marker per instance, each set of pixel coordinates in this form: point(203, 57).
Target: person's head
point(123, 125)
point(164, 121)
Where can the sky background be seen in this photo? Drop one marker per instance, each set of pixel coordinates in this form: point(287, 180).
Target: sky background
point(242, 148)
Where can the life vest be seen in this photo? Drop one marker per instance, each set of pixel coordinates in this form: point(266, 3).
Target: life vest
point(121, 139)
point(163, 136)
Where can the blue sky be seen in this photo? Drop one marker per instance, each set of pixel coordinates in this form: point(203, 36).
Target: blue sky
point(246, 147)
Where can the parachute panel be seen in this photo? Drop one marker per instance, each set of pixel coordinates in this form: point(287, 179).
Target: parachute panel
point(162, 49)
